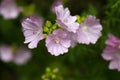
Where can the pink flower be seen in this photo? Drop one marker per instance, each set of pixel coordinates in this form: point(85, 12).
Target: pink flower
point(32, 29)
point(65, 20)
point(55, 3)
point(112, 52)
point(57, 43)
point(21, 56)
point(113, 41)
point(9, 9)
point(6, 53)
point(89, 31)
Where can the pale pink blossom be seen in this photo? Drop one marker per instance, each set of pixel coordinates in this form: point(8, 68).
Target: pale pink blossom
point(6, 53)
point(9, 9)
point(65, 20)
point(89, 31)
point(33, 30)
point(55, 3)
point(57, 43)
point(113, 41)
point(21, 56)
point(112, 52)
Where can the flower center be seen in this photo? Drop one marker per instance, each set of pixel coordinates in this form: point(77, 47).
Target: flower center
point(85, 28)
point(57, 39)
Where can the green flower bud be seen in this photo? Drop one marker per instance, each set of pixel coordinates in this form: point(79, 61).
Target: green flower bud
point(45, 29)
point(82, 19)
point(45, 35)
point(48, 69)
point(78, 19)
point(53, 76)
point(43, 77)
point(54, 27)
point(50, 31)
point(56, 70)
point(48, 24)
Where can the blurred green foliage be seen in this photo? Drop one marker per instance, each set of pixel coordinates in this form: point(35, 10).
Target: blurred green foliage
point(84, 62)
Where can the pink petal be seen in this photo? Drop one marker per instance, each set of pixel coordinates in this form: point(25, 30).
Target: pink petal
point(65, 20)
point(9, 9)
point(6, 53)
point(32, 30)
point(33, 44)
point(65, 43)
point(115, 64)
point(22, 56)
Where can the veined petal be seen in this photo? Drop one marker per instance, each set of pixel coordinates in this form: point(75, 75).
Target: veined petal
point(55, 3)
point(33, 44)
point(32, 30)
point(89, 31)
point(56, 43)
point(22, 56)
point(65, 20)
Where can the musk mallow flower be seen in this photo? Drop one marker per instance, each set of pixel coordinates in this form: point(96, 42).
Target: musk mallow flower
point(89, 31)
point(32, 30)
point(112, 41)
point(65, 20)
point(112, 52)
point(22, 56)
point(58, 42)
point(9, 9)
point(55, 3)
point(6, 53)
point(19, 56)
